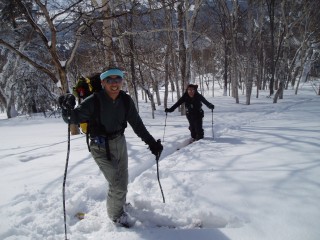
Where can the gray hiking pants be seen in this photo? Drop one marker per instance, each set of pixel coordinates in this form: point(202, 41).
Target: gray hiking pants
point(115, 171)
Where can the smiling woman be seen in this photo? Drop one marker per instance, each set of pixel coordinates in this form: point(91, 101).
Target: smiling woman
point(107, 113)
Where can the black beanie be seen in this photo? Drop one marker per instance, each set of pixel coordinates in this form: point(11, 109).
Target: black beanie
point(195, 87)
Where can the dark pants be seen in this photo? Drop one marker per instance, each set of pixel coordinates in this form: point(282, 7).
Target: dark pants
point(195, 125)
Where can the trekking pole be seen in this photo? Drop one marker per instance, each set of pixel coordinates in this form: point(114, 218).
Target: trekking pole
point(157, 160)
point(64, 179)
point(165, 124)
point(212, 124)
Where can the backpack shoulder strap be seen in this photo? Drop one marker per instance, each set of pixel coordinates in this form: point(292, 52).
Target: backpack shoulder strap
point(127, 102)
point(96, 117)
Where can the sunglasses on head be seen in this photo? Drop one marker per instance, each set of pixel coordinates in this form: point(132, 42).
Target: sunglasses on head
point(113, 80)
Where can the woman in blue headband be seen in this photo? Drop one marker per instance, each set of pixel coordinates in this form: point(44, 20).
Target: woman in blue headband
point(107, 113)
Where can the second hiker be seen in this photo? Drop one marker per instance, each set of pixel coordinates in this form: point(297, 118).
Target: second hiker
point(193, 101)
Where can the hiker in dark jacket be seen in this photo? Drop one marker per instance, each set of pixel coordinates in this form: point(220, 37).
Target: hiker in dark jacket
point(107, 141)
point(193, 101)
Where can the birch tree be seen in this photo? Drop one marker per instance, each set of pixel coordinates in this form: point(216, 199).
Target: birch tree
point(225, 26)
point(250, 63)
point(46, 25)
point(234, 52)
point(186, 23)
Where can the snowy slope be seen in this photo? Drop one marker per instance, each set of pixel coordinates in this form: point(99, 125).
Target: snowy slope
point(257, 179)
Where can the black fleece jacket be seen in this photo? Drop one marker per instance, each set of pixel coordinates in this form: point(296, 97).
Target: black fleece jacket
point(193, 104)
point(113, 114)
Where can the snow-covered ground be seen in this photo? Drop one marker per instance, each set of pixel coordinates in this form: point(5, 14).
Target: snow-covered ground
point(258, 178)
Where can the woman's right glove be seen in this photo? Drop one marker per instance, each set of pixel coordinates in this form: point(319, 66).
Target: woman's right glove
point(211, 106)
point(168, 110)
point(67, 102)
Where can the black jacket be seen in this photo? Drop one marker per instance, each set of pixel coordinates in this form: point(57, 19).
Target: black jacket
point(193, 105)
point(113, 114)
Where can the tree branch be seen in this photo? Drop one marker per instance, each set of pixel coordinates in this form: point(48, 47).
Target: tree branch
point(28, 60)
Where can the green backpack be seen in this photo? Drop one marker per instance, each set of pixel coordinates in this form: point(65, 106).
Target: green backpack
point(86, 86)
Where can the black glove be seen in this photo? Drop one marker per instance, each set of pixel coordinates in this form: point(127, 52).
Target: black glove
point(168, 110)
point(67, 102)
point(211, 106)
point(156, 147)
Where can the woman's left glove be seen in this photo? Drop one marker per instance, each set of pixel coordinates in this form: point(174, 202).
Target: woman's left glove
point(156, 147)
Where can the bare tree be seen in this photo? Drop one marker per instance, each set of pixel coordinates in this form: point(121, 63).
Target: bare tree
point(186, 23)
point(250, 63)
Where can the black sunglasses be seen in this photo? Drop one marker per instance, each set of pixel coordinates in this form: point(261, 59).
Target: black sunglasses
point(113, 80)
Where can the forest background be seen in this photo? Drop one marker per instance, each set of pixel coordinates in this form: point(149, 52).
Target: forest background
point(46, 46)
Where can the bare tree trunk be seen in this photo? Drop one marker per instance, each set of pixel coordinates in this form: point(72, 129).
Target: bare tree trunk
point(155, 87)
point(271, 9)
point(148, 93)
point(295, 75)
point(281, 76)
point(279, 92)
point(133, 72)
point(169, 54)
point(304, 56)
point(190, 24)
point(260, 53)
point(185, 26)
point(129, 57)
point(166, 77)
point(250, 58)
point(234, 54)
point(182, 49)
point(107, 31)
point(226, 66)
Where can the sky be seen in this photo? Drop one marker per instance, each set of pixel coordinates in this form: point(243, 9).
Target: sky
point(255, 175)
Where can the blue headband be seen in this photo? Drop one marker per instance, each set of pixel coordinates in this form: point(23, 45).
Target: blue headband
point(111, 72)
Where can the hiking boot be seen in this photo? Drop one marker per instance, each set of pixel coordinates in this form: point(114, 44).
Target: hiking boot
point(127, 207)
point(199, 137)
point(125, 220)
